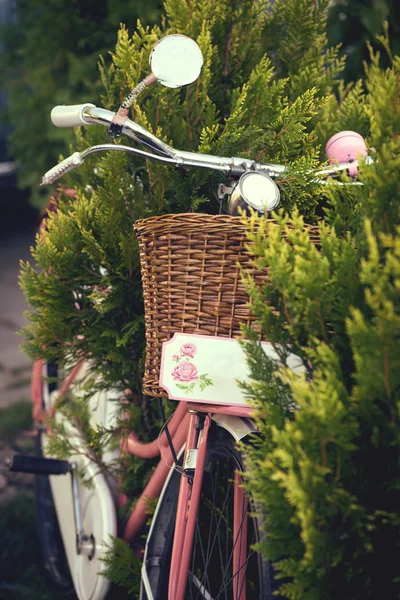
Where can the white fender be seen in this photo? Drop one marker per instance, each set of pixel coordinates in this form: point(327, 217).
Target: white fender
point(238, 427)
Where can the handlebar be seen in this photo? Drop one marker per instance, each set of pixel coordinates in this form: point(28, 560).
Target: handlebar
point(161, 151)
point(88, 114)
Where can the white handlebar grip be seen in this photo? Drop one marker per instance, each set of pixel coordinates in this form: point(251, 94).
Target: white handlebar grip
point(69, 116)
point(63, 167)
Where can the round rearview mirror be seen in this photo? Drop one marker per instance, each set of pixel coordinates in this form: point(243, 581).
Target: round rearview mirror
point(176, 60)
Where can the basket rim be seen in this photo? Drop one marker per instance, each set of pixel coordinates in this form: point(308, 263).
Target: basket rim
point(188, 217)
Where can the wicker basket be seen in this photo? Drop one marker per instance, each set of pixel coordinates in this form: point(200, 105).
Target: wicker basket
point(191, 272)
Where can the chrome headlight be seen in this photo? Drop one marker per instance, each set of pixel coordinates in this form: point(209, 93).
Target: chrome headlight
point(256, 190)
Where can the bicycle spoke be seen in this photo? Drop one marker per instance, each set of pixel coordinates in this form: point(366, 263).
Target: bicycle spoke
point(198, 536)
point(233, 548)
point(227, 560)
point(206, 560)
point(244, 565)
point(223, 563)
point(216, 533)
point(204, 593)
point(215, 548)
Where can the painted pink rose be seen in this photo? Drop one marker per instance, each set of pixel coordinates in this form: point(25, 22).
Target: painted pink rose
point(175, 357)
point(188, 350)
point(185, 372)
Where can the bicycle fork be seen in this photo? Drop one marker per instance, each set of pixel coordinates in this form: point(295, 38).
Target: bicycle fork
point(187, 510)
point(188, 504)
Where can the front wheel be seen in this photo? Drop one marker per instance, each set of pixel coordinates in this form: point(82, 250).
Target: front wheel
point(226, 521)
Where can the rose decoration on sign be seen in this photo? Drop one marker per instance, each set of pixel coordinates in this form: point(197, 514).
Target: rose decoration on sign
point(186, 372)
point(188, 350)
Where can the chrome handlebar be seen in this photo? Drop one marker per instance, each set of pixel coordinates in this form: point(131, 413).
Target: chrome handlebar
point(162, 152)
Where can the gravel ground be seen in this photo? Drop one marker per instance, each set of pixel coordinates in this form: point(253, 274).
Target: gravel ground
point(15, 367)
point(16, 436)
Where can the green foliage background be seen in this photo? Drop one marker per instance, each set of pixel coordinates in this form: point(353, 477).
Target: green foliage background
point(326, 476)
point(353, 23)
point(49, 56)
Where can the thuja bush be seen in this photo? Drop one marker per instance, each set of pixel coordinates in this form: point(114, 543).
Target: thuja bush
point(325, 468)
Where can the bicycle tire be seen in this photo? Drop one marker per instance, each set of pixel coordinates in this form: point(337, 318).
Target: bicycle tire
point(51, 544)
point(211, 570)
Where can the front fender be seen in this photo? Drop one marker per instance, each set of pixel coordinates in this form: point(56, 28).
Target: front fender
point(238, 427)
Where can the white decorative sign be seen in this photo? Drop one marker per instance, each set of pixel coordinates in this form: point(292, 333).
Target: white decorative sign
point(205, 368)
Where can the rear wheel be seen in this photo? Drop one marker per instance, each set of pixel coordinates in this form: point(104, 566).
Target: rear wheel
point(213, 573)
point(97, 505)
point(51, 544)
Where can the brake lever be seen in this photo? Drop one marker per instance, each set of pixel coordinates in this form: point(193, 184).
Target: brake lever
point(77, 159)
point(336, 170)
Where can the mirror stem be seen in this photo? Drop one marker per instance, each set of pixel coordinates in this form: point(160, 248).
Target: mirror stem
point(121, 116)
point(127, 103)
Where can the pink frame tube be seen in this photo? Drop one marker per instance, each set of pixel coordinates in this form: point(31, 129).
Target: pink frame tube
point(37, 388)
point(193, 508)
point(240, 508)
point(37, 391)
point(181, 509)
point(134, 446)
point(153, 489)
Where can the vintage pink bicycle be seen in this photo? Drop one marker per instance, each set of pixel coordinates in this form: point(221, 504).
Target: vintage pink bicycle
point(204, 531)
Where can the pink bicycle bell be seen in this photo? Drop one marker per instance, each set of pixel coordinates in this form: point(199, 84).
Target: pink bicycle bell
point(346, 147)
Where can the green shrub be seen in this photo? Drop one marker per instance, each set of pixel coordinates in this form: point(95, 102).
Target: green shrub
point(327, 474)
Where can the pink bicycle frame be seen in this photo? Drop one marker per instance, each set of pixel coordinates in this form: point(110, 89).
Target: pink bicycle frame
point(184, 429)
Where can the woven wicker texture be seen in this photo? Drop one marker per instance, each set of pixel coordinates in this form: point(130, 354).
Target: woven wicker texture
point(191, 273)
